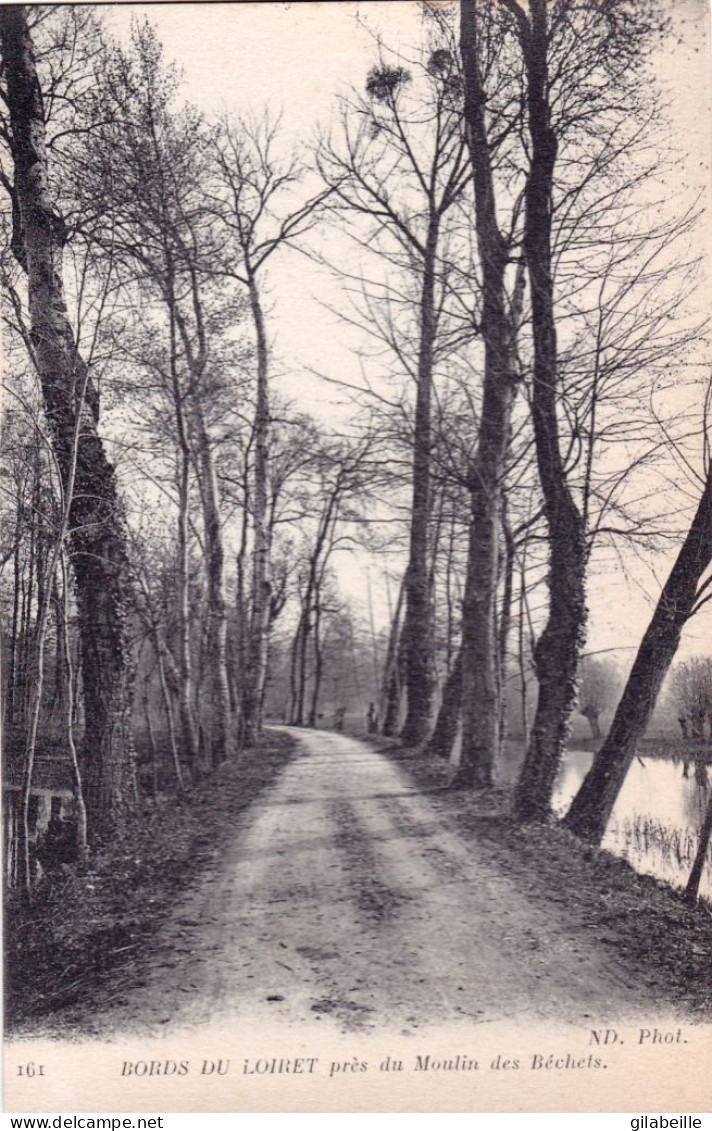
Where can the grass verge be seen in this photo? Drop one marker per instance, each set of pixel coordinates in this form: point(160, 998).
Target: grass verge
point(656, 938)
point(86, 923)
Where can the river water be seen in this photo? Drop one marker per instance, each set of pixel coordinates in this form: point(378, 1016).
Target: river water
point(657, 817)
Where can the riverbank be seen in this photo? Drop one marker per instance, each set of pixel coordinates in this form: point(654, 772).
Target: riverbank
point(662, 746)
point(349, 900)
point(641, 919)
point(328, 900)
point(78, 942)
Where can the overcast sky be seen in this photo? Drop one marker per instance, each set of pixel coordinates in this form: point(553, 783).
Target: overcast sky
point(296, 57)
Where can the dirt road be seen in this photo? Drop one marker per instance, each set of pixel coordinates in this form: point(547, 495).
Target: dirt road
point(348, 897)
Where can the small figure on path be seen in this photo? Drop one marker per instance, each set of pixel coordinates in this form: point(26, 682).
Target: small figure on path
point(372, 719)
point(58, 845)
point(698, 724)
point(339, 718)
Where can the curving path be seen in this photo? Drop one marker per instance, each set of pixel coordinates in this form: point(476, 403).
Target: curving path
point(347, 896)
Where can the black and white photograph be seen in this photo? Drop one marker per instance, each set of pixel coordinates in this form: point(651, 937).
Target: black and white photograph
point(356, 548)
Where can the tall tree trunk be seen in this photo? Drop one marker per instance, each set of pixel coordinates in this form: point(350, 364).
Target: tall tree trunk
point(523, 618)
point(98, 541)
point(390, 691)
point(445, 732)
point(318, 663)
point(591, 808)
point(557, 651)
point(41, 544)
point(480, 700)
point(161, 651)
point(33, 717)
point(692, 889)
point(145, 703)
point(417, 637)
point(295, 652)
point(216, 628)
point(14, 641)
point(57, 556)
point(28, 592)
point(261, 586)
point(186, 689)
point(306, 625)
point(79, 802)
point(504, 627)
point(62, 662)
point(241, 614)
point(394, 697)
point(312, 594)
point(451, 602)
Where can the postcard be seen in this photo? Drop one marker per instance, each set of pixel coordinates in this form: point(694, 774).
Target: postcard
point(356, 525)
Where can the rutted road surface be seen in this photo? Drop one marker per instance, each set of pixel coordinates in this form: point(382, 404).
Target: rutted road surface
point(347, 896)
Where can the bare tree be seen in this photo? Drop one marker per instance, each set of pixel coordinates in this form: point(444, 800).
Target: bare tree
point(341, 471)
point(683, 594)
point(499, 324)
point(552, 50)
point(691, 688)
point(400, 165)
point(96, 530)
point(693, 884)
point(599, 684)
point(261, 219)
point(143, 191)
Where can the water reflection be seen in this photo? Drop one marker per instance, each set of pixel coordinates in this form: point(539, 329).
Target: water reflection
point(656, 820)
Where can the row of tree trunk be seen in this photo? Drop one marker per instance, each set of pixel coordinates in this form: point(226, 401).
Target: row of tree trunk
point(95, 533)
point(473, 688)
point(94, 529)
